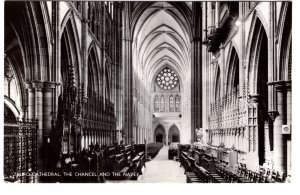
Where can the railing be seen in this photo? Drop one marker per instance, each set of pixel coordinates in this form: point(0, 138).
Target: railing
point(20, 150)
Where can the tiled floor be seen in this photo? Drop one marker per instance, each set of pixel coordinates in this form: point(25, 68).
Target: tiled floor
point(160, 170)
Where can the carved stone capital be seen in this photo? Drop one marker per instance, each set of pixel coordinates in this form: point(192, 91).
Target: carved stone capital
point(48, 85)
point(279, 85)
point(38, 85)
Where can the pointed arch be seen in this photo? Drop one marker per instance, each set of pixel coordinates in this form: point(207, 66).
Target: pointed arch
point(28, 22)
point(232, 75)
point(259, 40)
point(159, 135)
point(70, 53)
point(217, 84)
point(257, 85)
point(173, 134)
point(94, 79)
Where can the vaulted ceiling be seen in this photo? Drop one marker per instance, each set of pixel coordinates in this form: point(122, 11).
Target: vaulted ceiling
point(161, 37)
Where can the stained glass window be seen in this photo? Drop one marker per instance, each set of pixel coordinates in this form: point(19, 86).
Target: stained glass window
point(167, 79)
point(162, 103)
point(156, 104)
point(177, 103)
point(171, 102)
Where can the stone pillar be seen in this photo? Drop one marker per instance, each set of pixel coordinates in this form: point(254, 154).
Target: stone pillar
point(127, 73)
point(196, 69)
point(279, 141)
point(47, 107)
point(47, 118)
point(39, 115)
point(31, 100)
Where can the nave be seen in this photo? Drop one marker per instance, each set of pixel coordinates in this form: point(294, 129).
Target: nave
point(100, 89)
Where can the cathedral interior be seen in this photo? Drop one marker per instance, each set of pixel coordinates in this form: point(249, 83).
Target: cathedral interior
point(100, 91)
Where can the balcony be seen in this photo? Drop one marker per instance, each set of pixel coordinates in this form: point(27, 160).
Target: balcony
point(229, 13)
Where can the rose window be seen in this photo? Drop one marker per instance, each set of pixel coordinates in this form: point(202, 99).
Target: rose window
point(167, 79)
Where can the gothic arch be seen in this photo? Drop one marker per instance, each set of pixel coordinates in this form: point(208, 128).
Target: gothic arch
point(217, 83)
point(70, 52)
point(256, 19)
point(94, 75)
point(258, 37)
point(159, 134)
point(157, 42)
point(257, 86)
point(284, 36)
point(232, 73)
point(173, 134)
point(27, 21)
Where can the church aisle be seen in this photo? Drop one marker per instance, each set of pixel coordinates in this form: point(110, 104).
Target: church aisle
point(159, 170)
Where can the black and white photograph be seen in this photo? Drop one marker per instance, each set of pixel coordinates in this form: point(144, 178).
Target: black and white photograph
point(147, 92)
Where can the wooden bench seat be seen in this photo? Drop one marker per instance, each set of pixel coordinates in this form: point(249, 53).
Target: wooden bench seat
point(124, 170)
point(192, 178)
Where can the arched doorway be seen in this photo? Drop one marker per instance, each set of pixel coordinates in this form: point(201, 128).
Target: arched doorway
point(174, 135)
point(160, 134)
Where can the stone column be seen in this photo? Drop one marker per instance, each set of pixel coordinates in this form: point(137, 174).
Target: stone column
point(47, 118)
point(196, 69)
point(31, 100)
point(279, 141)
point(127, 73)
point(38, 101)
point(47, 107)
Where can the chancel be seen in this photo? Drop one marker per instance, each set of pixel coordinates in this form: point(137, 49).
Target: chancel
point(113, 91)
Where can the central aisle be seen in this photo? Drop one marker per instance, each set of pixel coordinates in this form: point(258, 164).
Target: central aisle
point(160, 169)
